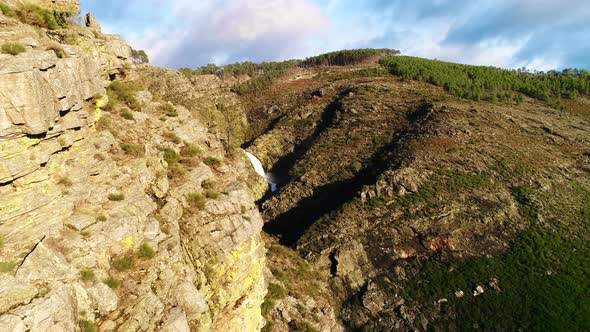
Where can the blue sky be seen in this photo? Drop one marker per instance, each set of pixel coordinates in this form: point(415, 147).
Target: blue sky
point(537, 34)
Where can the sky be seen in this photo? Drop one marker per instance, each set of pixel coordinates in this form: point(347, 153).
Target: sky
point(536, 34)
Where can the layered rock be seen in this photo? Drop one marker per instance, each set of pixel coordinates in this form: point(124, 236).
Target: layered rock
point(93, 236)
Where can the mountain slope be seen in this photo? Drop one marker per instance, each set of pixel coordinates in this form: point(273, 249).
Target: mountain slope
point(391, 186)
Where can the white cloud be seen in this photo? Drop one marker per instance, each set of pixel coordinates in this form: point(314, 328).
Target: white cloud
point(233, 30)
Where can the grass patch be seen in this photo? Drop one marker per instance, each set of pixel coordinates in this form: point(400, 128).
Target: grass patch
point(171, 136)
point(116, 197)
point(212, 161)
point(87, 275)
point(13, 48)
point(170, 156)
point(57, 49)
point(7, 267)
point(169, 110)
point(136, 150)
point(146, 251)
point(190, 150)
point(208, 184)
point(42, 17)
point(123, 92)
point(112, 282)
point(7, 10)
point(87, 326)
point(126, 114)
point(212, 194)
point(196, 201)
point(124, 263)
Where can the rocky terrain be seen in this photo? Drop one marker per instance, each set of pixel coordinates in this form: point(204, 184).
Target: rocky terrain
point(128, 214)
point(390, 186)
point(128, 203)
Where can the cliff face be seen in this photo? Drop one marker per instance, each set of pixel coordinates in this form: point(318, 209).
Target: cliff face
point(124, 220)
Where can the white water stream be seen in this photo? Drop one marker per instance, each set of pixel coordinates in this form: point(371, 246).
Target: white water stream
point(260, 170)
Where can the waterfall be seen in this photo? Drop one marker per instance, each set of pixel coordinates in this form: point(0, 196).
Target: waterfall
point(257, 164)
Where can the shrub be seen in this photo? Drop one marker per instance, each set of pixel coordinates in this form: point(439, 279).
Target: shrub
point(123, 92)
point(13, 48)
point(171, 156)
point(136, 150)
point(116, 197)
point(87, 275)
point(213, 194)
point(7, 10)
point(87, 326)
point(139, 56)
point(124, 263)
point(196, 200)
point(169, 110)
point(42, 17)
point(212, 161)
point(190, 150)
point(208, 184)
point(7, 267)
point(112, 282)
point(146, 251)
point(57, 49)
point(172, 137)
point(126, 114)
point(102, 218)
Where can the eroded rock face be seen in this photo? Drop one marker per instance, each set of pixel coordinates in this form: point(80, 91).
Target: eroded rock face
point(91, 233)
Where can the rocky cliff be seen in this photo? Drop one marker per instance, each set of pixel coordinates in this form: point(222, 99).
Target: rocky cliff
point(127, 214)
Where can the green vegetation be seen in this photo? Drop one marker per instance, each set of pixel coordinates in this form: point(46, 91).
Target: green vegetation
point(346, 57)
point(126, 114)
point(212, 194)
point(116, 197)
point(136, 150)
point(87, 326)
point(490, 83)
point(139, 56)
point(169, 110)
point(102, 218)
point(124, 263)
point(190, 150)
point(7, 267)
point(171, 156)
point(196, 201)
point(123, 92)
point(544, 285)
point(42, 17)
point(146, 251)
point(262, 75)
point(57, 49)
point(208, 184)
point(13, 48)
point(212, 161)
point(112, 282)
point(171, 136)
point(7, 10)
point(87, 275)
point(275, 292)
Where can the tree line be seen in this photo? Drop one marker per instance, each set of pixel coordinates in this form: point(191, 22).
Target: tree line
point(490, 83)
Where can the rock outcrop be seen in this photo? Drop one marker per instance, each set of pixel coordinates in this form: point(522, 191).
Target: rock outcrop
point(98, 226)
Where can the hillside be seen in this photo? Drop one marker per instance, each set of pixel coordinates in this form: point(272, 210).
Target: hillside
point(409, 198)
point(413, 194)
